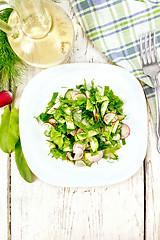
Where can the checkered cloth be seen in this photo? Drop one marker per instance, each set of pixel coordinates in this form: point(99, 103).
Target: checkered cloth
point(114, 26)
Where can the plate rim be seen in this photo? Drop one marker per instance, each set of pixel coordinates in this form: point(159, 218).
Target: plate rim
point(70, 65)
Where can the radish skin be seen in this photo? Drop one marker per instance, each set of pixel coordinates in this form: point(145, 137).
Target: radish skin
point(125, 131)
point(6, 97)
point(96, 158)
point(79, 95)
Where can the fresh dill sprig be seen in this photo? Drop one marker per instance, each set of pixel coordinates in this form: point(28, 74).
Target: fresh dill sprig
point(11, 66)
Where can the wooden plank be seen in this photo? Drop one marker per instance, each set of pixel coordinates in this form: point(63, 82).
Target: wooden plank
point(42, 212)
point(3, 193)
point(152, 185)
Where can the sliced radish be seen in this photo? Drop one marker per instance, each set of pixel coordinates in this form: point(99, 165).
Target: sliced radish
point(73, 133)
point(52, 121)
point(116, 137)
point(78, 145)
point(109, 117)
point(80, 131)
point(96, 158)
point(5, 98)
point(78, 153)
point(125, 131)
point(80, 163)
point(85, 122)
point(95, 114)
point(79, 96)
point(69, 157)
point(115, 119)
point(71, 93)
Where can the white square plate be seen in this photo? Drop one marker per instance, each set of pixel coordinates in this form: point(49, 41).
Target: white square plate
point(34, 100)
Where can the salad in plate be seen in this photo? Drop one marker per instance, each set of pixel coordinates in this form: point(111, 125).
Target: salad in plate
point(85, 125)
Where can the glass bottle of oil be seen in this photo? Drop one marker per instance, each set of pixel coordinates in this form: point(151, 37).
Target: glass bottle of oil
point(41, 32)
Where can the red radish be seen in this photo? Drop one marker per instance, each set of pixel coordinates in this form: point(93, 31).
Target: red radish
point(73, 133)
point(109, 117)
point(78, 145)
point(79, 95)
point(5, 98)
point(78, 153)
point(115, 119)
point(80, 131)
point(95, 114)
point(69, 157)
point(125, 131)
point(96, 158)
point(85, 122)
point(51, 121)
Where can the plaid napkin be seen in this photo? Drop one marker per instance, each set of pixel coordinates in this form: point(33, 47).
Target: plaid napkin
point(114, 26)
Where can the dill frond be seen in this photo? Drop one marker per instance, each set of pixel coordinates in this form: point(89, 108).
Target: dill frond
point(11, 66)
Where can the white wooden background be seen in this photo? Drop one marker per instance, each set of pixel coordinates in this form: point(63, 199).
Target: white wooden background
point(125, 211)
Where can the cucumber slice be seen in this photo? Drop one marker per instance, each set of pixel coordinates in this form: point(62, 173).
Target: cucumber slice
point(70, 94)
point(94, 144)
point(121, 117)
point(104, 107)
point(70, 125)
point(115, 125)
point(92, 133)
point(78, 115)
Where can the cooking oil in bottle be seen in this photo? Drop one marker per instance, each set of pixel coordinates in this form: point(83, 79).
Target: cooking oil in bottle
point(39, 49)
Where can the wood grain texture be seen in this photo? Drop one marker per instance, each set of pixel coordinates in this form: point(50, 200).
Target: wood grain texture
point(3, 196)
point(152, 185)
point(40, 211)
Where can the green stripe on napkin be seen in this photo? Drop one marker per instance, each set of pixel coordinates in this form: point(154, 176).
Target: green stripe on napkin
point(114, 26)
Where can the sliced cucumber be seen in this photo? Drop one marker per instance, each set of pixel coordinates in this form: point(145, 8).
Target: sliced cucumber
point(121, 117)
point(70, 94)
point(115, 126)
point(78, 115)
point(70, 124)
point(104, 107)
point(92, 133)
point(94, 144)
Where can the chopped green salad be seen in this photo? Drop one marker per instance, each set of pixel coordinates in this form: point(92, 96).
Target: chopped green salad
point(85, 125)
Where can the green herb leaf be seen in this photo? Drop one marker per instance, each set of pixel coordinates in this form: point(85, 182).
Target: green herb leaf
point(9, 129)
point(11, 66)
point(22, 166)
